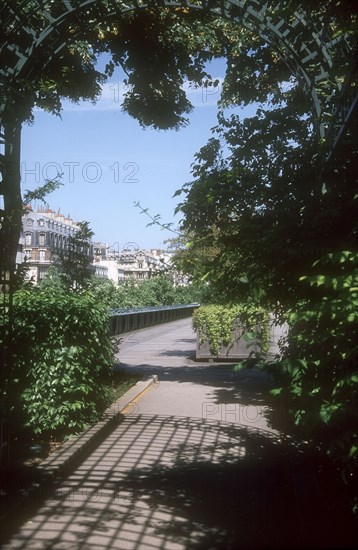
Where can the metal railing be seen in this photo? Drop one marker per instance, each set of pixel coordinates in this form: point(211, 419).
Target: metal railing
point(128, 319)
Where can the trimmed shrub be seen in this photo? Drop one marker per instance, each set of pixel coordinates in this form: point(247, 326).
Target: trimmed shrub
point(62, 358)
point(215, 323)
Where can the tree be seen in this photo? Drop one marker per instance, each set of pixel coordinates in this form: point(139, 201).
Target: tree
point(158, 48)
point(248, 176)
point(157, 291)
point(76, 261)
point(266, 224)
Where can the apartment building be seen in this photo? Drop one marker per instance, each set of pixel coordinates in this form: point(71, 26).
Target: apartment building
point(141, 264)
point(45, 236)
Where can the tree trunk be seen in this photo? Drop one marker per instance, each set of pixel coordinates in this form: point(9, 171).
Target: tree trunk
point(10, 231)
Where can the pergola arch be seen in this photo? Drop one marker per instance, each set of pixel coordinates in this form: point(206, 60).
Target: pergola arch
point(32, 39)
point(36, 31)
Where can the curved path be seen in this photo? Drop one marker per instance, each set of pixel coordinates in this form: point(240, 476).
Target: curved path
point(197, 462)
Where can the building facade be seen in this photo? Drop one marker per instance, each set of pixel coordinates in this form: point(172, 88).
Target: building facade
point(45, 237)
point(141, 265)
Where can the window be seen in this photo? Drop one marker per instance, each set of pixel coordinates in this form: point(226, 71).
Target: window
point(28, 239)
point(42, 272)
point(42, 255)
point(30, 221)
point(140, 265)
point(41, 223)
point(28, 255)
point(42, 239)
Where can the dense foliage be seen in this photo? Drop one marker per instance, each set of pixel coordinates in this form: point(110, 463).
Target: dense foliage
point(62, 359)
point(216, 323)
point(157, 48)
point(158, 291)
point(63, 355)
point(319, 372)
point(266, 224)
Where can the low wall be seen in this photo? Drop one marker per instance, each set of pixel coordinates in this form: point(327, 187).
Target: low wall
point(128, 319)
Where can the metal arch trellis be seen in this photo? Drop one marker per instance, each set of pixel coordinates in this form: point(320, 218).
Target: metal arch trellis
point(36, 31)
point(41, 34)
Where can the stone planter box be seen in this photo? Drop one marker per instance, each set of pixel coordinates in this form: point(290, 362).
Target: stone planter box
point(241, 348)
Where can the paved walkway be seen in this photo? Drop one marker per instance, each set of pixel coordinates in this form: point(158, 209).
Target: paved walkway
point(191, 389)
point(197, 462)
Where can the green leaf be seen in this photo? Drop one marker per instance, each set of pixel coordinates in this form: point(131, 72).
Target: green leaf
point(276, 391)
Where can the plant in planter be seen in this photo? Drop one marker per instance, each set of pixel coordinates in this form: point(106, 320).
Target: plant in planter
point(234, 331)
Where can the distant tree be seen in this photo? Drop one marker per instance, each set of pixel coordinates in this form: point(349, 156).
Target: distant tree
point(104, 290)
point(158, 291)
point(76, 262)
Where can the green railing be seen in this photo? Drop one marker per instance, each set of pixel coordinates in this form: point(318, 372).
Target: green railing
point(128, 319)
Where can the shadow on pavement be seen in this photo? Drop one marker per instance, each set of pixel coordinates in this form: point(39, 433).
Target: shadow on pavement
point(159, 482)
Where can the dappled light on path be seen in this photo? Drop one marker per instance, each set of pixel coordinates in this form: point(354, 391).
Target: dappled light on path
point(169, 482)
point(201, 460)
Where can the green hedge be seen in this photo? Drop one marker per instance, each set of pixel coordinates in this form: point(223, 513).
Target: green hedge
point(62, 358)
point(215, 323)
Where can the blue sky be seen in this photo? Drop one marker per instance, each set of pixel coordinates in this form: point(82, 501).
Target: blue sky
point(108, 162)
